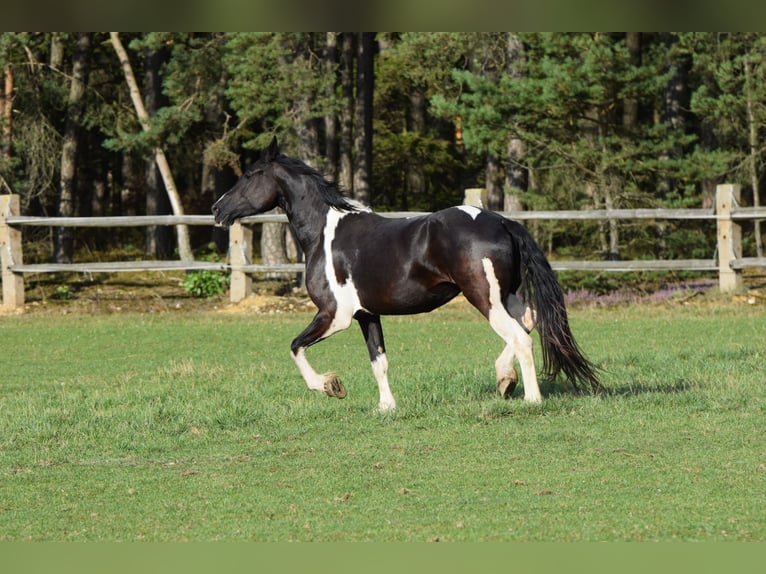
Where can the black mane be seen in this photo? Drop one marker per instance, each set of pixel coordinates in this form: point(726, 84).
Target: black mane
point(328, 191)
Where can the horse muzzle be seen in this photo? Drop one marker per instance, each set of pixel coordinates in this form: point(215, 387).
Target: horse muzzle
point(223, 217)
point(217, 214)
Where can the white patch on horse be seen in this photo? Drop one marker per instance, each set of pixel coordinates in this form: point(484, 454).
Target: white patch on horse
point(521, 312)
point(346, 295)
point(518, 342)
point(380, 370)
point(470, 210)
point(314, 381)
point(529, 319)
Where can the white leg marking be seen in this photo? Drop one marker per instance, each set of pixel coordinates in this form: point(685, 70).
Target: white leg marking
point(518, 342)
point(504, 364)
point(380, 370)
point(327, 383)
point(314, 380)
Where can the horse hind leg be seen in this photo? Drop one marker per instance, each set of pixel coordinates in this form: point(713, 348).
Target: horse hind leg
point(518, 345)
point(507, 378)
point(518, 342)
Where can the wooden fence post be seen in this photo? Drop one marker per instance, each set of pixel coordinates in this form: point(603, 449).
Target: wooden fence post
point(476, 196)
point(240, 253)
point(729, 237)
point(10, 253)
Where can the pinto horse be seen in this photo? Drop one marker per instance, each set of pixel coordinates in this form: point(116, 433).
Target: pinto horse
point(361, 265)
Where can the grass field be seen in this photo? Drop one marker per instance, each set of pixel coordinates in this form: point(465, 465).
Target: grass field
point(197, 426)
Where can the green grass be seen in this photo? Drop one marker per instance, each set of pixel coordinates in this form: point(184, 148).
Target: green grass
point(198, 427)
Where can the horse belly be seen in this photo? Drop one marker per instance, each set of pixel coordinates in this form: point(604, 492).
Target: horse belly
point(403, 292)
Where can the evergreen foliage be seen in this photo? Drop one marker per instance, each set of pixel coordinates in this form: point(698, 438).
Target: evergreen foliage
point(603, 120)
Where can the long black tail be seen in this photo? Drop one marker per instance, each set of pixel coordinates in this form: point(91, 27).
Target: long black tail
point(541, 290)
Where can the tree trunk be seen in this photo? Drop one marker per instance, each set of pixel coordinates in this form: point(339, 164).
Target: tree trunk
point(610, 190)
point(132, 178)
point(184, 245)
point(363, 117)
point(346, 143)
point(308, 136)
point(6, 116)
point(416, 179)
point(57, 51)
point(753, 156)
point(630, 105)
point(331, 118)
point(672, 114)
point(216, 180)
point(592, 190)
point(64, 242)
point(609, 185)
point(158, 239)
point(516, 175)
point(493, 183)
point(629, 124)
point(675, 101)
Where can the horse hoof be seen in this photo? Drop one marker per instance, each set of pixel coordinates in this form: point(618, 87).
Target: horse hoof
point(333, 387)
point(506, 386)
point(386, 408)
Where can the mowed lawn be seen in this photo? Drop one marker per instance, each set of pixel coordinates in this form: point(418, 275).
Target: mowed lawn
point(198, 427)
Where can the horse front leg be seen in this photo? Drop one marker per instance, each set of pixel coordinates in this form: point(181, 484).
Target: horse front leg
point(373, 336)
point(320, 328)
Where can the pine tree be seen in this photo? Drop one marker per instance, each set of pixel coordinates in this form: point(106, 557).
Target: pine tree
point(730, 100)
point(567, 105)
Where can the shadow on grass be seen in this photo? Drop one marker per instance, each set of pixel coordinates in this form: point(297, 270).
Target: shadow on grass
point(432, 392)
point(559, 398)
point(558, 388)
point(630, 389)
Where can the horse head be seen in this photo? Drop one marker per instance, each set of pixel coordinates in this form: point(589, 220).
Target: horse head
point(255, 192)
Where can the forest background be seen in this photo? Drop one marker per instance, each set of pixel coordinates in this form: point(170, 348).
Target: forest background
point(402, 121)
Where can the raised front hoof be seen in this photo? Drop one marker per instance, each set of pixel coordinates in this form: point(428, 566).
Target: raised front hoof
point(507, 385)
point(333, 387)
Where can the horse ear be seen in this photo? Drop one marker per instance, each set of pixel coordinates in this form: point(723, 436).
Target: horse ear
point(273, 149)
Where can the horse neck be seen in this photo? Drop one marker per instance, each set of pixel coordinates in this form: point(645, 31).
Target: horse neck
point(305, 210)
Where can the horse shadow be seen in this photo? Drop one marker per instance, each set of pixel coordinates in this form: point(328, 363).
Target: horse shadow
point(550, 388)
point(633, 390)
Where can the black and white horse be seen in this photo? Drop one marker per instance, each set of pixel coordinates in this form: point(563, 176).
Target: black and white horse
point(360, 265)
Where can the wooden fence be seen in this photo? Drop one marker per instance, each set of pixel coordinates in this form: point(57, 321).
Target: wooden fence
point(727, 213)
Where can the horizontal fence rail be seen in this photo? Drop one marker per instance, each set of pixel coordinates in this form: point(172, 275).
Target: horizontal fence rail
point(607, 214)
point(727, 215)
